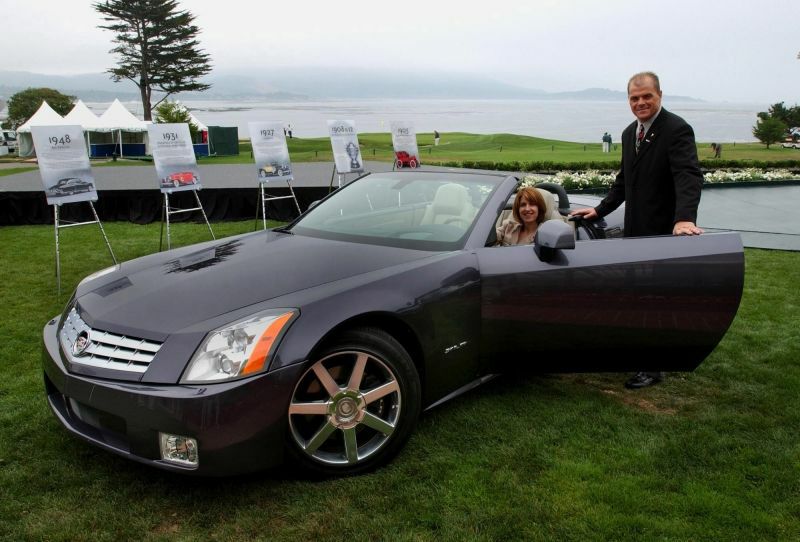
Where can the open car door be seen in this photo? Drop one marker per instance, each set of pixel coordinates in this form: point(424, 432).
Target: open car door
point(636, 304)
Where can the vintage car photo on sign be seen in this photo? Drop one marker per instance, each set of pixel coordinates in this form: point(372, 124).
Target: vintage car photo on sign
point(181, 178)
point(69, 186)
point(321, 342)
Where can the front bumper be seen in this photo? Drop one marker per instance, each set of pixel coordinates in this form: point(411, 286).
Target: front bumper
point(239, 426)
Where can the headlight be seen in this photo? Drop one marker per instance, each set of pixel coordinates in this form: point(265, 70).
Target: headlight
point(240, 348)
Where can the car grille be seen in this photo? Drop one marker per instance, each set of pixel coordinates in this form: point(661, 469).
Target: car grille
point(106, 350)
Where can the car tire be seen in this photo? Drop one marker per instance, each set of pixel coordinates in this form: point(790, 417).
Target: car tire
point(355, 406)
point(399, 164)
point(413, 164)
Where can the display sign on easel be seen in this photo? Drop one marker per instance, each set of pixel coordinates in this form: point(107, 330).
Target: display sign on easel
point(173, 155)
point(346, 151)
point(271, 155)
point(176, 170)
point(404, 141)
point(66, 176)
point(63, 164)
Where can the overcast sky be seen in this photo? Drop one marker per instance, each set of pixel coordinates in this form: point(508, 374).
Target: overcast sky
point(736, 50)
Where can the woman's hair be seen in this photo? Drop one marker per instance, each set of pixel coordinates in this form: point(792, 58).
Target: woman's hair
point(531, 195)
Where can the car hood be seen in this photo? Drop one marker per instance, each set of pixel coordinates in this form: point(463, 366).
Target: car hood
point(158, 295)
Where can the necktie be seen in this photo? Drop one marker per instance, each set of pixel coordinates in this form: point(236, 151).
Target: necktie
point(639, 137)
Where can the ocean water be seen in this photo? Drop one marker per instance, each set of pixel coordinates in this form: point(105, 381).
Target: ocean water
point(583, 121)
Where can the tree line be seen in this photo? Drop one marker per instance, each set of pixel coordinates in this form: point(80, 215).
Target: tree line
point(778, 124)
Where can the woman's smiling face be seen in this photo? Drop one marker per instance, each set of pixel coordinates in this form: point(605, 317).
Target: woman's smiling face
point(528, 211)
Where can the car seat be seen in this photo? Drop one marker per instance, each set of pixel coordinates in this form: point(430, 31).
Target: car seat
point(451, 204)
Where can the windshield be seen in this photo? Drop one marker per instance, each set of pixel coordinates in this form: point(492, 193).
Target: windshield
point(420, 210)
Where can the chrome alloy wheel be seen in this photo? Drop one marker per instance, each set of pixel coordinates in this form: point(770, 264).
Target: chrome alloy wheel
point(345, 408)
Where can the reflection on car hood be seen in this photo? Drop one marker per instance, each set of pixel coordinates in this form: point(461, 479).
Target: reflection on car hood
point(164, 293)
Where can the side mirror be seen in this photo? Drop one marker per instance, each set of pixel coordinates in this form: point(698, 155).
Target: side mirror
point(551, 236)
point(312, 205)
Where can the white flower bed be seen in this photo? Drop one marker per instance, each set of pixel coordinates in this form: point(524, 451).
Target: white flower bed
point(749, 174)
point(592, 178)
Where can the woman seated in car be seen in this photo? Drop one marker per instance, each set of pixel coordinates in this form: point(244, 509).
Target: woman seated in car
point(528, 212)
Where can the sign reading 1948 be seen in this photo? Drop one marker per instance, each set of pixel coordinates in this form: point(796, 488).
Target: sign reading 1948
point(63, 140)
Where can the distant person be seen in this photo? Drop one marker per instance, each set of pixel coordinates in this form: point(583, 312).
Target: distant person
point(527, 213)
point(289, 131)
point(659, 179)
point(435, 138)
point(717, 148)
point(606, 142)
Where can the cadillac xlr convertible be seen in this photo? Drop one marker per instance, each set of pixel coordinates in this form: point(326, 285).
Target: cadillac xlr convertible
point(322, 341)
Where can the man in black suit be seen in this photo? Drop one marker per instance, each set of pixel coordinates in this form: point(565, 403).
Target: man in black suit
point(659, 179)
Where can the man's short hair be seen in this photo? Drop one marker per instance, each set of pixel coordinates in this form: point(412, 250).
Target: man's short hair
point(642, 75)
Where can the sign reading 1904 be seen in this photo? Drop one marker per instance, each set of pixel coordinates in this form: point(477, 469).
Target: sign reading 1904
point(63, 140)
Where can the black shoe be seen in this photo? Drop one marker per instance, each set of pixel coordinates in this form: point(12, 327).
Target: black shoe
point(642, 380)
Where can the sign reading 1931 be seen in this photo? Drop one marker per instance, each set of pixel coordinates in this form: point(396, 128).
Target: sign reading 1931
point(170, 136)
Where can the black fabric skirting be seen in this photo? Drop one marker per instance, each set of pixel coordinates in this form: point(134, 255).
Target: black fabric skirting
point(145, 206)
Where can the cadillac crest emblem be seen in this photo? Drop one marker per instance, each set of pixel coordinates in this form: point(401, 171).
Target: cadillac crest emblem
point(81, 343)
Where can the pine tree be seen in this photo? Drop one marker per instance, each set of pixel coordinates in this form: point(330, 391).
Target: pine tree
point(157, 48)
point(769, 130)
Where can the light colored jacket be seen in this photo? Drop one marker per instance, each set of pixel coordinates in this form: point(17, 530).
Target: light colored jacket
point(510, 233)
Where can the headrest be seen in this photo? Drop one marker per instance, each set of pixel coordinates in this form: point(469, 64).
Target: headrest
point(450, 199)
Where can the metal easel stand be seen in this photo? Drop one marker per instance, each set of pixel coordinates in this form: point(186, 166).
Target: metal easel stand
point(59, 226)
point(264, 198)
point(167, 211)
point(340, 177)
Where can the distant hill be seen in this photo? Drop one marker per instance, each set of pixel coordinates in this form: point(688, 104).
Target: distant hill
point(298, 84)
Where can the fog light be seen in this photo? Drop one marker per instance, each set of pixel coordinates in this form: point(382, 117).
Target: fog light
point(179, 450)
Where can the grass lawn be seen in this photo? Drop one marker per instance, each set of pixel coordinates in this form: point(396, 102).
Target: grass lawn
point(458, 146)
point(710, 455)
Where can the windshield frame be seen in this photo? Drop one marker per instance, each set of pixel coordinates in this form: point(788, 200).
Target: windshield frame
point(461, 178)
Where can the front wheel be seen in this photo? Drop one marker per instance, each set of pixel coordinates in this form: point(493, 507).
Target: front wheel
point(355, 406)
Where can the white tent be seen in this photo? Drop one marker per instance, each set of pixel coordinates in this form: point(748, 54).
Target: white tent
point(117, 119)
point(200, 126)
point(44, 116)
point(83, 116)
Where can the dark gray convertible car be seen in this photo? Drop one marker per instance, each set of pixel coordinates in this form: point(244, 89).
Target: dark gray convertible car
point(324, 340)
